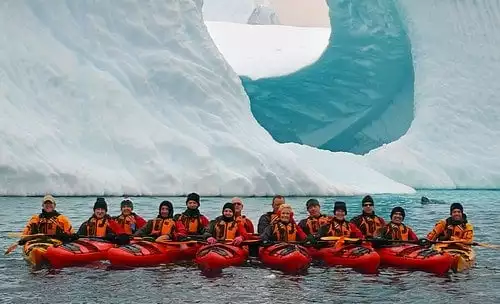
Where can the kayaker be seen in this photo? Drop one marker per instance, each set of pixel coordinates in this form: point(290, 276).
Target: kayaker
point(101, 225)
point(194, 222)
point(129, 220)
point(164, 225)
point(367, 222)
point(454, 228)
point(50, 222)
point(396, 230)
point(338, 226)
point(315, 220)
point(238, 207)
point(226, 227)
point(284, 228)
point(267, 218)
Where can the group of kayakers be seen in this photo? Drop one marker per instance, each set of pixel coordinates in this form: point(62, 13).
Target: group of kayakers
point(277, 225)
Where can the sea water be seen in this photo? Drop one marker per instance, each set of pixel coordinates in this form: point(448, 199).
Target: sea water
point(253, 283)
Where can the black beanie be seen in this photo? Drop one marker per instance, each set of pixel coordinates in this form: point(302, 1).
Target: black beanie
point(127, 202)
point(312, 202)
point(456, 206)
point(398, 209)
point(170, 208)
point(228, 206)
point(193, 197)
point(367, 199)
point(101, 203)
point(340, 206)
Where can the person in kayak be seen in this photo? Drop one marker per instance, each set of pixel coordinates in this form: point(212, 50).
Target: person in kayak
point(396, 230)
point(50, 222)
point(101, 225)
point(284, 228)
point(164, 225)
point(194, 222)
point(226, 227)
point(238, 207)
point(269, 217)
point(129, 220)
point(367, 222)
point(338, 226)
point(315, 220)
point(454, 228)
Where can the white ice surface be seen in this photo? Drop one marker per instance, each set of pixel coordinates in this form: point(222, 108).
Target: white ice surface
point(260, 51)
point(113, 97)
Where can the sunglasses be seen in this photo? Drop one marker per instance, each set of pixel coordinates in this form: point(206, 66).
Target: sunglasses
point(237, 204)
point(366, 205)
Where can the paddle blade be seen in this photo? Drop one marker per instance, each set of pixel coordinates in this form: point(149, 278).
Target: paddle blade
point(336, 238)
point(11, 248)
point(491, 246)
point(15, 235)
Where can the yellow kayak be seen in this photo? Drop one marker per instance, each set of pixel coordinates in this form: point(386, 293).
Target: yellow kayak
point(34, 250)
point(464, 256)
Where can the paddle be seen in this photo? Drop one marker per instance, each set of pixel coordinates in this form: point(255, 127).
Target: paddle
point(24, 238)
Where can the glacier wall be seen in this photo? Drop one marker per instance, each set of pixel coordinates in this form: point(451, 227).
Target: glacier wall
point(357, 96)
point(113, 97)
point(454, 139)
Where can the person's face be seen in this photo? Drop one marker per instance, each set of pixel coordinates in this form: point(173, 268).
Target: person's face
point(164, 211)
point(314, 211)
point(285, 215)
point(99, 213)
point(397, 218)
point(192, 205)
point(368, 207)
point(48, 206)
point(228, 212)
point(126, 210)
point(340, 214)
point(277, 203)
point(456, 215)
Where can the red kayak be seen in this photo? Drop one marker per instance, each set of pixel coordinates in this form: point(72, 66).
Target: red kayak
point(289, 258)
point(80, 252)
point(219, 256)
point(144, 254)
point(359, 258)
point(415, 257)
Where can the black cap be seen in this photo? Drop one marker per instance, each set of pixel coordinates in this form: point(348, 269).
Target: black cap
point(101, 203)
point(340, 206)
point(398, 209)
point(127, 202)
point(228, 206)
point(367, 199)
point(312, 202)
point(193, 197)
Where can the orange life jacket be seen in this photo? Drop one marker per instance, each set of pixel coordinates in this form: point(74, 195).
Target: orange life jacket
point(128, 223)
point(244, 220)
point(395, 232)
point(50, 226)
point(339, 228)
point(313, 224)
point(284, 232)
point(226, 230)
point(192, 224)
point(368, 225)
point(97, 227)
point(445, 230)
point(163, 226)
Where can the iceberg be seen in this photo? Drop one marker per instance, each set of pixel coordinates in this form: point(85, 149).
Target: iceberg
point(410, 86)
point(113, 97)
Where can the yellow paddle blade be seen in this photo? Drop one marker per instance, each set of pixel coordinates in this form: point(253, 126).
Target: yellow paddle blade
point(491, 246)
point(336, 238)
point(21, 235)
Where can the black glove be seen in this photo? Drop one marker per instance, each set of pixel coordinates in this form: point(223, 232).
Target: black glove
point(311, 240)
point(184, 239)
point(443, 238)
point(122, 239)
point(424, 242)
point(67, 238)
point(22, 241)
point(358, 242)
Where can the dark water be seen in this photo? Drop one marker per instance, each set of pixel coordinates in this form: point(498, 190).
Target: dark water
point(254, 284)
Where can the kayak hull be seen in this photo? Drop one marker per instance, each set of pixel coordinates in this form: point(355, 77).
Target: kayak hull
point(81, 252)
point(359, 258)
point(288, 258)
point(188, 251)
point(143, 254)
point(415, 257)
point(463, 257)
point(219, 256)
point(34, 251)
